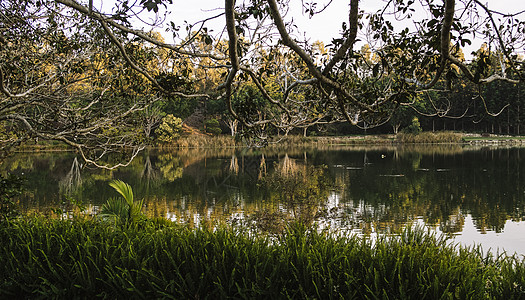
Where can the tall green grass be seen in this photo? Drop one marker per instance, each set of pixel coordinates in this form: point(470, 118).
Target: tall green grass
point(43, 258)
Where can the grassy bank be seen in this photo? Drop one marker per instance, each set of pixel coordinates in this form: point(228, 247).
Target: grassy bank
point(205, 141)
point(494, 139)
point(426, 137)
point(87, 258)
point(223, 141)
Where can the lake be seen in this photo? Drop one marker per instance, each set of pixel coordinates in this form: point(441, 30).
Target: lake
point(475, 194)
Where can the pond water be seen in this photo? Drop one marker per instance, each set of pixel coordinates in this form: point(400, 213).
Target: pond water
point(475, 194)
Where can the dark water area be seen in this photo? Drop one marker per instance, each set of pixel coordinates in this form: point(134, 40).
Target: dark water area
point(475, 194)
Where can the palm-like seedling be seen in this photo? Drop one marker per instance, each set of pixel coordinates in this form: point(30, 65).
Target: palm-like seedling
point(124, 211)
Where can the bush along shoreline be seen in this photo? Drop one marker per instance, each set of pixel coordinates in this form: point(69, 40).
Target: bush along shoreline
point(158, 259)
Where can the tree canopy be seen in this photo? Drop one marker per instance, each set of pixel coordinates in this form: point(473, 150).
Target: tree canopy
point(73, 72)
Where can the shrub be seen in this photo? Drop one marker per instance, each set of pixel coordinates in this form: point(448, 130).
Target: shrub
point(414, 128)
point(212, 126)
point(169, 129)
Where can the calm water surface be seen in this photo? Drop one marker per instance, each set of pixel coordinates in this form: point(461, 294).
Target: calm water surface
point(476, 194)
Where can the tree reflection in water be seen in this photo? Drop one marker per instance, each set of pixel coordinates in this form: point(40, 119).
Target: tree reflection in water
point(149, 173)
point(378, 189)
point(73, 180)
point(298, 191)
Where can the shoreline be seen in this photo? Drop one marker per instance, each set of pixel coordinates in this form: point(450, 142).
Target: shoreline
point(195, 142)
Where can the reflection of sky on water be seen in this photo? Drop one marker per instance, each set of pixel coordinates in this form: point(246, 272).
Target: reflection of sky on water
point(512, 239)
point(510, 242)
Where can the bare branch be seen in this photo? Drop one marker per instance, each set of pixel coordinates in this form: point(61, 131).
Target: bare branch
point(25, 93)
point(350, 40)
point(98, 16)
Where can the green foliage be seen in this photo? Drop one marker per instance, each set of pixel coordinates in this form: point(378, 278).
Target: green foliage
point(123, 211)
point(248, 102)
point(7, 132)
point(171, 168)
point(212, 126)
point(169, 129)
point(47, 258)
point(109, 86)
point(414, 128)
point(179, 107)
point(10, 187)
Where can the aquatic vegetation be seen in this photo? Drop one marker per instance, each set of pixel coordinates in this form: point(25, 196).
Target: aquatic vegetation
point(48, 258)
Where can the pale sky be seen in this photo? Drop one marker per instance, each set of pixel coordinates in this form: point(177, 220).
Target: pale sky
point(323, 27)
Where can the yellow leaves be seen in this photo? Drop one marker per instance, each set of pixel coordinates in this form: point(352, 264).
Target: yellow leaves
point(320, 53)
point(156, 36)
point(319, 46)
point(273, 87)
point(169, 129)
point(457, 52)
point(367, 53)
point(483, 49)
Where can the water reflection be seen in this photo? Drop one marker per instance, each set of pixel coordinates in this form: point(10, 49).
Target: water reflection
point(370, 189)
point(72, 181)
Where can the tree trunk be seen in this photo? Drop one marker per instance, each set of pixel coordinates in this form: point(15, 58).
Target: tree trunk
point(395, 128)
point(508, 121)
point(233, 126)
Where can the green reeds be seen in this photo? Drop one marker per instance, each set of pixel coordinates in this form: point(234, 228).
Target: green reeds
point(86, 259)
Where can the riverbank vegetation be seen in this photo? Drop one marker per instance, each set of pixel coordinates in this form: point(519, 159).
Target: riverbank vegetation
point(129, 88)
point(47, 258)
point(203, 141)
point(82, 75)
point(430, 138)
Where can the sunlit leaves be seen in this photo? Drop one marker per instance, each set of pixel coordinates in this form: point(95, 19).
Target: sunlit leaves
point(169, 129)
point(124, 211)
